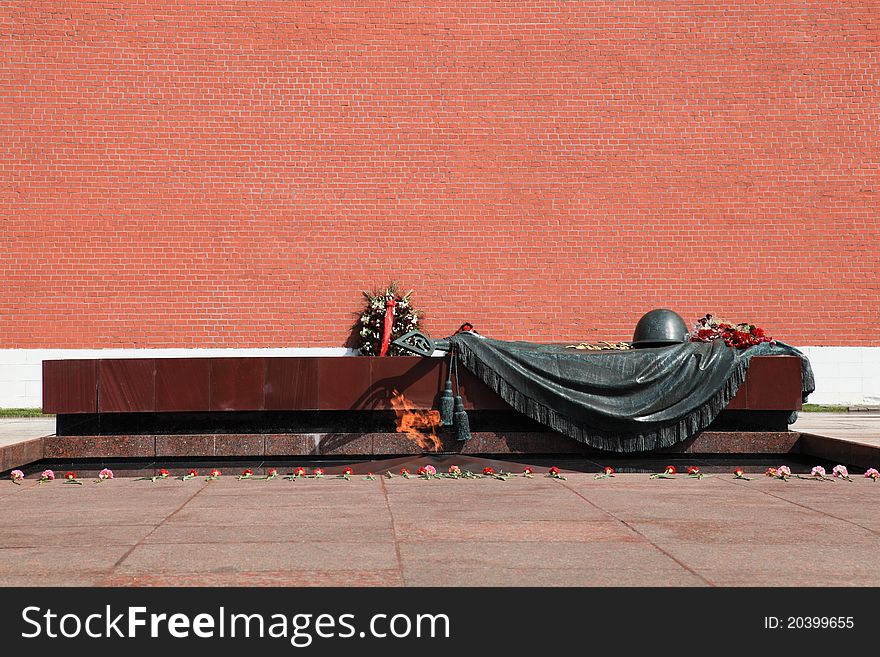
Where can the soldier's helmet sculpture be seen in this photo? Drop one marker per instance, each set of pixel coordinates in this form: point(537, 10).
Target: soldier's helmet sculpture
point(660, 328)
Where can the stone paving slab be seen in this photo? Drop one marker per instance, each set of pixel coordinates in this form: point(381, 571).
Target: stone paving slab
point(628, 530)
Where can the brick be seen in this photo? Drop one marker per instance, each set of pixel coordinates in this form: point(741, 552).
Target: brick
point(233, 174)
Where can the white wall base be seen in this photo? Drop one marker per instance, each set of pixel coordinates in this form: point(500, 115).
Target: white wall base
point(844, 375)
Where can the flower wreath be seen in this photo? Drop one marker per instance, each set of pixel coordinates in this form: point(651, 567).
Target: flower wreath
point(371, 324)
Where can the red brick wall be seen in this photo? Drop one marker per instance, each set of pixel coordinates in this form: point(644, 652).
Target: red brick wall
point(233, 174)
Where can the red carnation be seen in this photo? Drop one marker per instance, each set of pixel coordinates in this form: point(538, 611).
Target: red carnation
point(273, 472)
point(670, 469)
point(555, 474)
point(348, 471)
point(163, 473)
point(488, 471)
point(609, 470)
point(70, 475)
point(193, 473)
point(739, 474)
point(692, 470)
point(300, 472)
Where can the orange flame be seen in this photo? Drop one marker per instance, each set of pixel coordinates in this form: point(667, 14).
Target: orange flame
point(413, 423)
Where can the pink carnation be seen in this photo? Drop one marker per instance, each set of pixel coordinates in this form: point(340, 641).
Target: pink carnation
point(818, 471)
point(17, 475)
point(48, 475)
point(430, 470)
point(106, 473)
point(872, 474)
point(784, 471)
point(840, 471)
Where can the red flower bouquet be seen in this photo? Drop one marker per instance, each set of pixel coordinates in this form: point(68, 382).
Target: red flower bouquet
point(739, 336)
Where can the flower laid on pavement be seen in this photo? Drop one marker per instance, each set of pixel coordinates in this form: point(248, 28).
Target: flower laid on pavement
point(247, 473)
point(46, 475)
point(192, 474)
point(872, 474)
point(163, 474)
point(370, 477)
point(817, 474)
point(694, 472)
point(528, 473)
point(554, 473)
point(271, 474)
point(298, 473)
point(405, 473)
point(454, 471)
point(488, 472)
point(668, 473)
point(213, 475)
point(318, 473)
point(841, 472)
point(104, 475)
point(739, 474)
point(346, 473)
point(427, 472)
point(782, 472)
point(606, 472)
point(17, 476)
point(70, 478)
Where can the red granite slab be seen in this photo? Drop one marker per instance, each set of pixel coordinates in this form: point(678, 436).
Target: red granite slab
point(292, 444)
point(774, 383)
point(387, 444)
point(20, 454)
point(190, 445)
point(237, 384)
point(183, 384)
point(345, 384)
point(70, 386)
point(345, 444)
point(292, 383)
point(420, 379)
point(740, 400)
point(81, 447)
point(841, 451)
point(127, 385)
point(239, 445)
point(740, 442)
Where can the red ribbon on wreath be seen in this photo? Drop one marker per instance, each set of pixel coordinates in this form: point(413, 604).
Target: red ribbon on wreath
point(389, 325)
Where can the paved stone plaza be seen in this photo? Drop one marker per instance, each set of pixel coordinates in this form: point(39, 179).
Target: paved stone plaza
point(628, 530)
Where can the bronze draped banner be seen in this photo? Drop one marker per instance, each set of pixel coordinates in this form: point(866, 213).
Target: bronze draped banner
point(620, 401)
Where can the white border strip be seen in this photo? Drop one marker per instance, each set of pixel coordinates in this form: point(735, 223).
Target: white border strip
point(844, 375)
